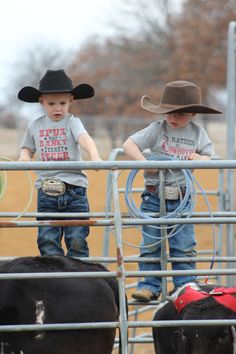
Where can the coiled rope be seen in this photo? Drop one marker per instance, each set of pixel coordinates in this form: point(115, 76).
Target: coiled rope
point(179, 212)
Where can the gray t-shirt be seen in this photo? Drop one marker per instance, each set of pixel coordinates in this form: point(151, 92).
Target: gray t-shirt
point(159, 138)
point(56, 141)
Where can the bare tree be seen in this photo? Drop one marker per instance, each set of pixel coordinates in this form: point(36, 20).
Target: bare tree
point(150, 19)
point(199, 42)
point(163, 45)
point(28, 70)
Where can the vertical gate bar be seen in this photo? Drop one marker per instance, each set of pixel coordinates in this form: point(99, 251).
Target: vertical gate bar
point(230, 109)
point(106, 241)
point(133, 331)
point(120, 265)
point(221, 207)
point(163, 260)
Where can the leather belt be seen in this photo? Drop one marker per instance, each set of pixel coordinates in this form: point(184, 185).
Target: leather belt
point(69, 186)
point(171, 193)
point(152, 188)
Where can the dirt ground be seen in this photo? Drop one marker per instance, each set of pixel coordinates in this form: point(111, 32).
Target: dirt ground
point(22, 241)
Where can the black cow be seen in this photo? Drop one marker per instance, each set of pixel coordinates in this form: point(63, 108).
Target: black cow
point(195, 340)
point(44, 301)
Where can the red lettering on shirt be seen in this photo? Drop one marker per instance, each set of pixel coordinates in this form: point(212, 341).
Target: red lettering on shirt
point(49, 141)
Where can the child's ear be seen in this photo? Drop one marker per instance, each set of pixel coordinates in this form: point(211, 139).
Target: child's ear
point(71, 98)
point(41, 99)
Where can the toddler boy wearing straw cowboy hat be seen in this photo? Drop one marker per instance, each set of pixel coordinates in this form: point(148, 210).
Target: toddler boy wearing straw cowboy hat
point(176, 136)
point(58, 136)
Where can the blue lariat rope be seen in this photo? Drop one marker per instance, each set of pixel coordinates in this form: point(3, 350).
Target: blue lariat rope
point(190, 195)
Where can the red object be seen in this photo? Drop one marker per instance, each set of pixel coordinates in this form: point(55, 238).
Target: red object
point(221, 295)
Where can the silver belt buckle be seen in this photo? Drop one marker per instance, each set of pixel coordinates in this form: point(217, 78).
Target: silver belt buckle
point(53, 186)
point(171, 193)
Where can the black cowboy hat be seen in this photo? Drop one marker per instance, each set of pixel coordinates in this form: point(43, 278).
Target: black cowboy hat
point(55, 81)
point(178, 96)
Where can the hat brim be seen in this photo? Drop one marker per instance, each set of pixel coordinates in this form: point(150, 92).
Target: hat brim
point(163, 109)
point(31, 94)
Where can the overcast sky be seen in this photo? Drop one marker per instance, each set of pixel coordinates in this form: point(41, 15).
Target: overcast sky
point(65, 24)
point(24, 24)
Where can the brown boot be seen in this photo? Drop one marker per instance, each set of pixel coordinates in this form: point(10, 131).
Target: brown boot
point(144, 295)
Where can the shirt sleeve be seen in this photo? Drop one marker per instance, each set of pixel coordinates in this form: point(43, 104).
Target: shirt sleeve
point(205, 144)
point(77, 128)
point(28, 141)
point(146, 137)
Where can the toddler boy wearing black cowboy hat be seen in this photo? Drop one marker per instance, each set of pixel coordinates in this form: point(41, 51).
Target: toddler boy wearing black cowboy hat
point(58, 136)
point(177, 136)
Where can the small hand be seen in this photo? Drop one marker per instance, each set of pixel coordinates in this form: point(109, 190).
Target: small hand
point(24, 159)
point(99, 160)
point(152, 171)
point(195, 156)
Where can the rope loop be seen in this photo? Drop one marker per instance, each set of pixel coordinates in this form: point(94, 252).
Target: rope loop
point(184, 210)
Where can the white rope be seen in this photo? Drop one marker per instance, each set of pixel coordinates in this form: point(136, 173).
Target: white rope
point(4, 186)
point(190, 195)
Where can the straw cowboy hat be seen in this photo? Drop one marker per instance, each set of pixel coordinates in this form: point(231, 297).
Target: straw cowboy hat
point(178, 96)
point(55, 81)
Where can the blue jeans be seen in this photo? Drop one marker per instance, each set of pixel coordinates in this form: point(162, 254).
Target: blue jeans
point(182, 244)
point(50, 237)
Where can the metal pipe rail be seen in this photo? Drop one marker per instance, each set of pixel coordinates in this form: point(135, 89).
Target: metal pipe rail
point(111, 222)
point(131, 324)
point(117, 165)
point(208, 192)
point(137, 340)
point(58, 275)
point(128, 274)
point(147, 260)
point(108, 215)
